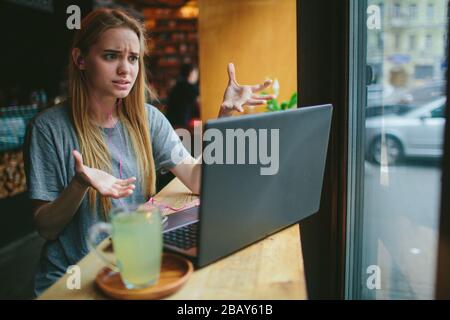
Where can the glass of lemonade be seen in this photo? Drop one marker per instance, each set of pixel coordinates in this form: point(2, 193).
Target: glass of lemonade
point(136, 233)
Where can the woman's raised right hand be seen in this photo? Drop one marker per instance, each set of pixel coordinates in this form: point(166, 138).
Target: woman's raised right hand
point(103, 182)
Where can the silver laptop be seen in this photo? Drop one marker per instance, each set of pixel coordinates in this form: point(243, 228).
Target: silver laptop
point(267, 176)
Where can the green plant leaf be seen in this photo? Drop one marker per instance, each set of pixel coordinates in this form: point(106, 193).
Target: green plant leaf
point(276, 106)
point(293, 101)
point(271, 105)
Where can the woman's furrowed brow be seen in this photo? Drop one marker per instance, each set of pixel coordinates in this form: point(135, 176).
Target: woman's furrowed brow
point(118, 51)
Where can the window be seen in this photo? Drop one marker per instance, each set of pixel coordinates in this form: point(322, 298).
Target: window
point(423, 72)
point(430, 11)
point(394, 158)
point(428, 42)
point(396, 10)
point(380, 40)
point(412, 42)
point(413, 11)
point(397, 41)
point(381, 6)
point(439, 112)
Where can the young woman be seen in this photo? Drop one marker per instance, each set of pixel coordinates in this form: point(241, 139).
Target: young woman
point(103, 146)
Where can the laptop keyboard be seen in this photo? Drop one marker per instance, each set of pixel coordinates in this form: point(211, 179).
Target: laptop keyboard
point(184, 238)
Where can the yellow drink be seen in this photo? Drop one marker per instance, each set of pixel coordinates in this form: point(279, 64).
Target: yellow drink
point(137, 240)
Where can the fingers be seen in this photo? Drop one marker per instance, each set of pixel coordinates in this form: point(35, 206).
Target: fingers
point(78, 160)
point(263, 86)
point(255, 102)
point(231, 73)
point(121, 194)
point(121, 191)
point(126, 182)
point(123, 188)
point(238, 107)
point(264, 96)
point(230, 106)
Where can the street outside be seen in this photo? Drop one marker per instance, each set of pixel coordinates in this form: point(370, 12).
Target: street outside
point(401, 222)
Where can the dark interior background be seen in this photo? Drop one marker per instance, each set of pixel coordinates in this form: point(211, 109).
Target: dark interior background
point(35, 45)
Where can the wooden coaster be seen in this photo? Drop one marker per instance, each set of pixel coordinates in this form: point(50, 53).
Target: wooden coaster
point(175, 271)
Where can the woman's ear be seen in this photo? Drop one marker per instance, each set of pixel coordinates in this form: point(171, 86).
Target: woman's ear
point(78, 58)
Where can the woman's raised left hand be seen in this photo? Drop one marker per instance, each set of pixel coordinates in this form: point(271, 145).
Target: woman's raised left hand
point(237, 96)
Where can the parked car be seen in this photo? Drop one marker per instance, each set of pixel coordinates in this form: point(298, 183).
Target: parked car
point(398, 109)
point(419, 132)
point(388, 95)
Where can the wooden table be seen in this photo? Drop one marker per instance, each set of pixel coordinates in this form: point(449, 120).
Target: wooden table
point(269, 269)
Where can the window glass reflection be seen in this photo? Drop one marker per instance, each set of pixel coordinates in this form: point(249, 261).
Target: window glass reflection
point(403, 146)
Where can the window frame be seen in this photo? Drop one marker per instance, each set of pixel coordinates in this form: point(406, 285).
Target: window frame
point(443, 263)
point(322, 73)
point(355, 166)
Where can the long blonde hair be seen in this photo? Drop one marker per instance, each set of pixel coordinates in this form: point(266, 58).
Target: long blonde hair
point(132, 113)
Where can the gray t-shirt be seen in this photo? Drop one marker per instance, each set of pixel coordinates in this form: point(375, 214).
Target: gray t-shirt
point(51, 167)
